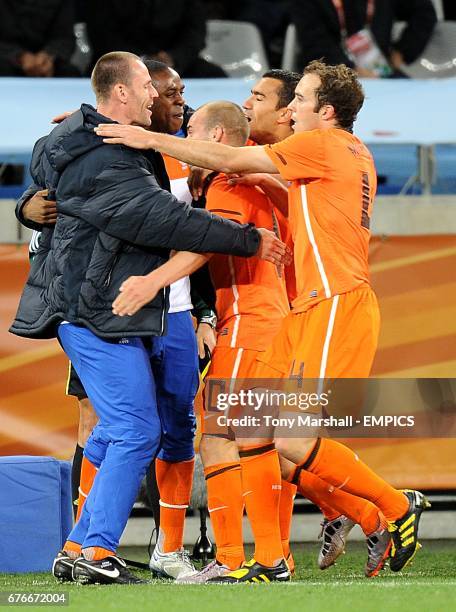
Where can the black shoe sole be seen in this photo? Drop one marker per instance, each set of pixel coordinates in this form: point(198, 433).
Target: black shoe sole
point(62, 571)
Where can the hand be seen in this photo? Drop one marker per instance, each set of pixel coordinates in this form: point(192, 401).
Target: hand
point(205, 336)
point(133, 294)
point(44, 64)
point(39, 210)
point(246, 179)
point(272, 249)
point(27, 62)
point(196, 180)
point(62, 117)
point(128, 135)
point(397, 60)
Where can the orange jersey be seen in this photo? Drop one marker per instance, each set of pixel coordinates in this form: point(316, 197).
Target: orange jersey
point(333, 184)
point(175, 168)
point(286, 237)
point(251, 298)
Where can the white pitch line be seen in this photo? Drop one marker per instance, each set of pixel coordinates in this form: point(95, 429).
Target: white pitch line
point(338, 584)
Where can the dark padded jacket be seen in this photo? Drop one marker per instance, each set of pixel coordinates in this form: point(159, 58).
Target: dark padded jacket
point(113, 221)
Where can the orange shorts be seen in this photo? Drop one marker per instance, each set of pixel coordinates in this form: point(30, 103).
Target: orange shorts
point(336, 338)
point(228, 364)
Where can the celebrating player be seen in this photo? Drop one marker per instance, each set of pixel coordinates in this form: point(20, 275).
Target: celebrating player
point(332, 330)
point(333, 184)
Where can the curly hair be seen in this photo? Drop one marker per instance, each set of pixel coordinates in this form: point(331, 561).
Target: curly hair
point(340, 87)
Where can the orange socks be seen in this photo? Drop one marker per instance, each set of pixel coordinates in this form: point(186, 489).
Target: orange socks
point(175, 485)
point(96, 553)
point(287, 496)
point(261, 483)
point(88, 473)
point(72, 549)
point(226, 505)
point(341, 467)
point(92, 553)
point(333, 502)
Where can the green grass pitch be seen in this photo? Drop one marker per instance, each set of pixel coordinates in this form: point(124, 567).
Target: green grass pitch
point(429, 586)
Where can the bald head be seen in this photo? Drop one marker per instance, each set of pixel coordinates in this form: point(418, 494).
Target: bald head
point(220, 121)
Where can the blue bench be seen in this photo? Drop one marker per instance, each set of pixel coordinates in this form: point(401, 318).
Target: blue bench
point(35, 512)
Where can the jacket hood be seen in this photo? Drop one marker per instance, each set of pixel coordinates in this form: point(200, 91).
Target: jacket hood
point(67, 141)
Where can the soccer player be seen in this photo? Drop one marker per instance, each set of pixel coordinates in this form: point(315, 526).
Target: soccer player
point(269, 119)
point(247, 321)
point(176, 359)
point(332, 331)
point(177, 352)
point(113, 220)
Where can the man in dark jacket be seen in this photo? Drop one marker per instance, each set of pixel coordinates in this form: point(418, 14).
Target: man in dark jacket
point(174, 358)
point(113, 221)
point(323, 26)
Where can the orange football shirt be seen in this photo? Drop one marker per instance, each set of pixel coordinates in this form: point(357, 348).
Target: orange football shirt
point(251, 297)
point(175, 169)
point(333, 184)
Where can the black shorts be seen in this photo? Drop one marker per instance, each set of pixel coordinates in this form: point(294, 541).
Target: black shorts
point(74, 385)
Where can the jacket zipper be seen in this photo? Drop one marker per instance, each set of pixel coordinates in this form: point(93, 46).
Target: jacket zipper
point(108, 278)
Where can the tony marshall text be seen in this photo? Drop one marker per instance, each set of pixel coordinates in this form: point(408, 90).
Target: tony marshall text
point(301, 420)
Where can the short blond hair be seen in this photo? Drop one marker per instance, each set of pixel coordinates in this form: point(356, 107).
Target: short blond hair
point(110, 69)
point(229, 116)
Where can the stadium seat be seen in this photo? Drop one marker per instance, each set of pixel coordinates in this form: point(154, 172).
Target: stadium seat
point(35, 512)
point(237, 47)
point(83, 51)
point(290, 48)
point(438, 5)
point(438, 59)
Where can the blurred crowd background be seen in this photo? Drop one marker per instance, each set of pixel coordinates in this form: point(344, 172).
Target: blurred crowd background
point(64, 38)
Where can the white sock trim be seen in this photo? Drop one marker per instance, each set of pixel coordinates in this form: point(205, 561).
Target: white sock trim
point(215, 509)
point(175, 506)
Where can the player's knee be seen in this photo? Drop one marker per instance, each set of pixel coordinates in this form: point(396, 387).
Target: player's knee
point(217, 450)
point(282, 445)
point(150, 438)
point(287, 468)
point(177, 442)
point(178, 438)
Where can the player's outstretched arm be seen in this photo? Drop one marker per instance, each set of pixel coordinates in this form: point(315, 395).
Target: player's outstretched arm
point(211, 155)
point(139, 290)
